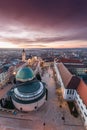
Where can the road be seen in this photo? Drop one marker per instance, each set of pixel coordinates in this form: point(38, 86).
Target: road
point(48, 117)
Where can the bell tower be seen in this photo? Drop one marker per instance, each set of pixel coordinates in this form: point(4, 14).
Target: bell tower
point(23, 55)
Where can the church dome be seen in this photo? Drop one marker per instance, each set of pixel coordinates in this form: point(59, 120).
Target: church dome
point(29, 92)
point(25, 74)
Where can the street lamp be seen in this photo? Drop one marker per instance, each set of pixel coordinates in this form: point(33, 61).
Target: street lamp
point(14, 73)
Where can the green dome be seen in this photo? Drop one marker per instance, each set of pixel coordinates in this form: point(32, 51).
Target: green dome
point(28, 92)
point(24, 74)
point(29, 87)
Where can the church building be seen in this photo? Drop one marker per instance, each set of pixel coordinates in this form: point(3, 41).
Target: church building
point(29, 93)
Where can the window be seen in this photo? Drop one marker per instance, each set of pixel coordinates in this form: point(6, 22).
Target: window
point(70, 98)
point(79, 102)
point(72, 91)
point(81, 107)
point(67, 91)
point(85, 114)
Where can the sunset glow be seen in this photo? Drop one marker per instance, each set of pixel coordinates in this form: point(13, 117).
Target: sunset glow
point(7, 45)
point(36, 24)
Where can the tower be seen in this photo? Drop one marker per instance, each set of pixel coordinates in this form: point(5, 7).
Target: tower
point(23, 55)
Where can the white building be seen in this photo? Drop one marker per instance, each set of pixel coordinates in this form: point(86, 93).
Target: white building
point(73, 89)
point(4, 77)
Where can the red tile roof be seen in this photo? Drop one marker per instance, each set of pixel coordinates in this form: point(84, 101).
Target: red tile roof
point(75, 65)
point(82, 91)
point(65, 74)
point(70, 81)
point(65, 60)
point(74, 82)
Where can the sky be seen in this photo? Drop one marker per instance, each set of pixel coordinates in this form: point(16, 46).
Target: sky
point(43, 23)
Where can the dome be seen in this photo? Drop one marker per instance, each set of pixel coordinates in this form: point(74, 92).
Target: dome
point(29, 92)
point(28, 88)
point(29, 96)
point(25, 74)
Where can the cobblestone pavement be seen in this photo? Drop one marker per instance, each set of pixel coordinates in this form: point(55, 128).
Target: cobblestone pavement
point(53, 115)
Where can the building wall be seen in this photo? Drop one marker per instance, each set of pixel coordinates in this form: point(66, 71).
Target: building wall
point(58, 75)
point(80, 70)
point(29, 107)
point(82, 108)
point(4, 77)
point(59, 79)
point(70, 94)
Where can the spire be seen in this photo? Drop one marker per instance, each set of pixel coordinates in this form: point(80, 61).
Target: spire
point(23, 55)
point(23, 50)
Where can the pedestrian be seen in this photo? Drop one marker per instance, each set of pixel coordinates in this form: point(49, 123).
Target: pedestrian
point(44, 124)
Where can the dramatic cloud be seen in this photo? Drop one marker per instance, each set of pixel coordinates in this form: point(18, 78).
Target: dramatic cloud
point(43, 23)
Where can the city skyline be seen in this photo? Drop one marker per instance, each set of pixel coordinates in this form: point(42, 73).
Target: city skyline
point(43, 24)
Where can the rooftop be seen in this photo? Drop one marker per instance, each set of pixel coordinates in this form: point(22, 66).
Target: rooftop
point(75, 65)
point(24, 74)
point(82, 91)
point(74, 82)
point(65, 74)
point(29, 87)
point(70, 81)
point(66, 60)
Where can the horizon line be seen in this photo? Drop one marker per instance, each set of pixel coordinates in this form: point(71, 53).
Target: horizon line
point(49, 48)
